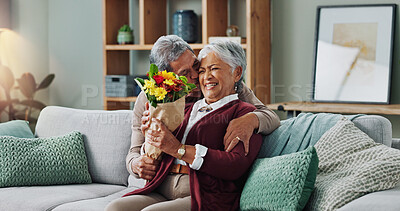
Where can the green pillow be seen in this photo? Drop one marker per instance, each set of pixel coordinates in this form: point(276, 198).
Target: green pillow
point(281, 183)
point(17, 128)
point(43, 161)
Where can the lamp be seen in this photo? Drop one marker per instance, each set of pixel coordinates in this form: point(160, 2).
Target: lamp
point(5, 14)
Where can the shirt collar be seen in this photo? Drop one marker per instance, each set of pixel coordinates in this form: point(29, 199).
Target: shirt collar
point(220, 102)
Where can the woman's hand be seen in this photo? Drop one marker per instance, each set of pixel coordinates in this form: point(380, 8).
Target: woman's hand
point(243, 128)
point(163, 138)
point(145, 119)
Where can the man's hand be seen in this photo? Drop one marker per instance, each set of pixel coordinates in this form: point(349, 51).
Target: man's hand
point(243, 128)
point(145, 119)
point(145, 167)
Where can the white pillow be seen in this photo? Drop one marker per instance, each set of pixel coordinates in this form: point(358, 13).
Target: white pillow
point(351, 165)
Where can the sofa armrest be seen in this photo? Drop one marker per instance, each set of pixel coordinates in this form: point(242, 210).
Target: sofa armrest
point(396, 143)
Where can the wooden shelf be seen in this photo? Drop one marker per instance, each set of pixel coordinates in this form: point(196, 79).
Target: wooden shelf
point(116, 47)
point(343, 108)
point(153, 24)
point(121, 99)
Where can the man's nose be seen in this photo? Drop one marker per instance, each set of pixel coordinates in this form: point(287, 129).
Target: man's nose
point(194, 74)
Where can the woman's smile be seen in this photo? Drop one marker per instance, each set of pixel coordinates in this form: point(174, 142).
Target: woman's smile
point(210, 86)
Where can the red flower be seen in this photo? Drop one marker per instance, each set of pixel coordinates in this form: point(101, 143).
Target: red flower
point(166, 87)
point(178, 85)
point(159, 79)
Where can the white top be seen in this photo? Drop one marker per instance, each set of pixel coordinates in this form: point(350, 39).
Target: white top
point(195, 116)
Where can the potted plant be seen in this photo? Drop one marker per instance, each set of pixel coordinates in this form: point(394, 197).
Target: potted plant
point(125, 35)
point(21, 109)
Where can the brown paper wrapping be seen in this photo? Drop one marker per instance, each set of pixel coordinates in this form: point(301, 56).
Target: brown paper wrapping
point(172, 115)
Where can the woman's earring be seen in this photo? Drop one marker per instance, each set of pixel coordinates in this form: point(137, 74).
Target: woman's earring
point(236, 87)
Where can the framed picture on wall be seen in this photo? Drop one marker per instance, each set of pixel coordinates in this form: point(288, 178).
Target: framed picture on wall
point(353, 53)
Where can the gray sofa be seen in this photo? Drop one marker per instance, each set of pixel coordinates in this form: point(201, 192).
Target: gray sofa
point(107, 140)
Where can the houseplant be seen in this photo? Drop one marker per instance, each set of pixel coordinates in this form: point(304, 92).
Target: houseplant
point(21, 109)
point(125, 35)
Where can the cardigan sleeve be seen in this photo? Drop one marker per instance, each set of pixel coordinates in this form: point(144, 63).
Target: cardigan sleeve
point(232, 165)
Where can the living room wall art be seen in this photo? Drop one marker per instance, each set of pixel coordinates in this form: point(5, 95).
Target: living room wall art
point(353, 53)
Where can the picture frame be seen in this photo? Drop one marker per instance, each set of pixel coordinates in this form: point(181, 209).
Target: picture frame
point(353, 53)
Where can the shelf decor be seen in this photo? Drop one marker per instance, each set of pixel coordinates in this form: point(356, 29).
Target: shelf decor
point(125, 35)
point(185, 25)
point(353, 53)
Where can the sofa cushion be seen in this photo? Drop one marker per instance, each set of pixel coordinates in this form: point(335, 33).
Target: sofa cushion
point(17, 128)
point(93, 204)
point(40, 198)
point(387, 200)
point(106, 135)
point(298, 133)
point(281, 183)
point(351, 165)
point(43, 161)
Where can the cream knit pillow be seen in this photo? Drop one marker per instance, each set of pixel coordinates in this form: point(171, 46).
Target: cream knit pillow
point(351, 165)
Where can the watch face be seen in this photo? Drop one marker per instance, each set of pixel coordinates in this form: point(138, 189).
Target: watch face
point(181, 151)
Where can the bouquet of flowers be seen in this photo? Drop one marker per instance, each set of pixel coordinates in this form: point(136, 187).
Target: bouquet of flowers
point(165, 92)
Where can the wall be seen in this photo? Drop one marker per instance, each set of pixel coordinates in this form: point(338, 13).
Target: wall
point(293, 48)
point(25, 47)
point(75, 53)
point(63, 37)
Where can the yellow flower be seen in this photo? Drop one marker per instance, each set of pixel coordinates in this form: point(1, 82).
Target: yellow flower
point(169, 82)
point(151, 91)
point(149, 85)
point(160, 93)
point(167, 75)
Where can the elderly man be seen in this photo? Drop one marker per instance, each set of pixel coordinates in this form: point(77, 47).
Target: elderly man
point(171, 53)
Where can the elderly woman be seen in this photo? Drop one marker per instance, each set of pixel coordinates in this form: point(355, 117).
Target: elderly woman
point(216, 177)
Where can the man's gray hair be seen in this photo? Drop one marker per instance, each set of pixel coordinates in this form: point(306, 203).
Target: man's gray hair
point(229, 52)
point(168, 49)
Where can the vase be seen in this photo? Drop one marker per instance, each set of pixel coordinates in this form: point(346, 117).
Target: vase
point(185, 25)
point(125, 38)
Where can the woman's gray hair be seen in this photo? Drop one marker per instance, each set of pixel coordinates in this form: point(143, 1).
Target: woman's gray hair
point(168, 49)
point(229, 52)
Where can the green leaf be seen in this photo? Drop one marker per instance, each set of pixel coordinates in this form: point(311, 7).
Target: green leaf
point(153, 103)
point(191, 86)
point(183, 79)
point(140, 83)
point(152, 100)
point(125, 28)
point(34, 104)
point(46, 81)
point(27, 85)
point(7, 78)
point(153, 70)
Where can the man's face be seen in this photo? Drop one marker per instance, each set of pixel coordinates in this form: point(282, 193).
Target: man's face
point(188, 65)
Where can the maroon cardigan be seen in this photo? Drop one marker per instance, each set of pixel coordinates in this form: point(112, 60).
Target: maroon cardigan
point(217, 185)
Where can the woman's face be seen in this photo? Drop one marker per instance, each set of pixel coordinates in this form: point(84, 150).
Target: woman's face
point(216, 78)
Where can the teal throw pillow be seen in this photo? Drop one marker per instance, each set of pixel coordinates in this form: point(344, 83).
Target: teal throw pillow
point(17, 128)
point(281, 183)
point(43, 161)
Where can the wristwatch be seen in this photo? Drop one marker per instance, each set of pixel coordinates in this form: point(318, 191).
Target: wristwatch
point(181, 152)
